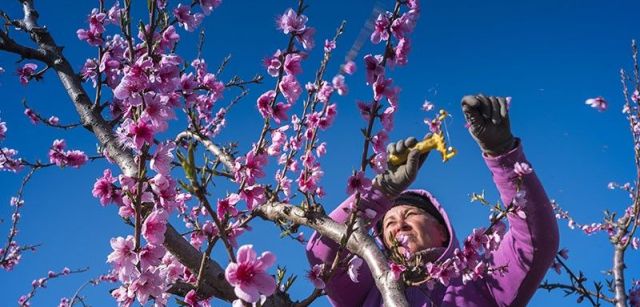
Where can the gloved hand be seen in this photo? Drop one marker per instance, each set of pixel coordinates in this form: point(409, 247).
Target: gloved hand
point(398, 178)
point(488, 120)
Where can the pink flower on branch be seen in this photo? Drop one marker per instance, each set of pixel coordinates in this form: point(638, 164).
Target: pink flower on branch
point(315, 276)
point(154, 226)
point(597, 103)
point(186, 19)
point(306, 38)
point(290, 88)
point(291, 22)
point(103, 188)
point(522, 168)
point(380, 29)
point(227, 206)
point(248, 274)
point(31, 115)
point(254, 196)
point(292, 64)
point(73, 158)
point(358, 183)
point(26, 72)
point(123, 258)
point(340, 85)
point(349, 67)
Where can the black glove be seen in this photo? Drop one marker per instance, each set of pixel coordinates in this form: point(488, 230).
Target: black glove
point(398, 178)
point(488, 119)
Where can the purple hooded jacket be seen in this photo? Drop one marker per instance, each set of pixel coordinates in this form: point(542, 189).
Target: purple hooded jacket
point(528, 250)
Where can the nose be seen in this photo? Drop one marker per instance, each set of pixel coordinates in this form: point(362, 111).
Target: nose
point(401, 226)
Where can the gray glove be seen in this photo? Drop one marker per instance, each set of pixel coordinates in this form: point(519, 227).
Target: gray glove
point(398, 178)
point(488, 120)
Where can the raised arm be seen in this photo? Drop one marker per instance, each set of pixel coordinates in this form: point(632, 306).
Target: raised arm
point(530, 245)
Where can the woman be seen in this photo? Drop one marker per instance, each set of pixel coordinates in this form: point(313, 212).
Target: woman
point(527, 249)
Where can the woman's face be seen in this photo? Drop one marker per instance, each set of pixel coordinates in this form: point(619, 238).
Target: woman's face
point(420, 229)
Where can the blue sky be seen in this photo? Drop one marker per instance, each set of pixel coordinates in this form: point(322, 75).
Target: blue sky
point(548, 55)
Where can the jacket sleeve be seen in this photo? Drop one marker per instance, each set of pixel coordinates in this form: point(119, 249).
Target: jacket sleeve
point(340, 289)
point(530, 245)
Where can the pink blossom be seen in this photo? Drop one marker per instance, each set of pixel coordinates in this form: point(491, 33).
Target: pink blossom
point(598, 103)
point(349, 67)
point(31, 115)
point(339, 85)
point(148, 284)
point(387, 118)
point(76, 158)
point(284, 183)
point(193, 300)
point(308, 180)
point(315, 276)
point(169, 38)
point(92, 37)
point(8, 162)
point(151, 255)
point(324, 93)
point(291, 22)
point(73, 158)
point(354, 265)
point(380, 162)
point(306, 38)
point(321, 150)
point(379, 142)
point(227, 206)
point(162, 158)
point(154, 226)
point(427, 106)
point(308, 159)
point(380, 29)
point(273, 63)
point(280, 112)
point(329, 45)
point(188, 21)
point(330, 115)
point(404, 24)
point(123, 258)
point(142, 133)
point(635, 243)
point(252, 169)
point(382, 87)
point(522, 168)
point(248, 275)
point(103, 188)
point(26, 72)
point(358, 183)
point(402, 51)
point(254, 196)
point(264, 103)
point(373, 65)
point(53, 120)
point(292, 63)
point(397, 269)
point(290, 88)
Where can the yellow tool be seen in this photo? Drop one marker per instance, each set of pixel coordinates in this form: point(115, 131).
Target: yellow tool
point(435, 141)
